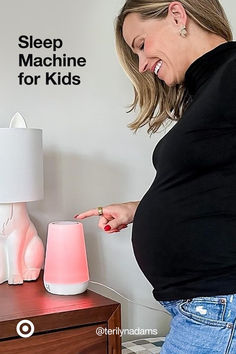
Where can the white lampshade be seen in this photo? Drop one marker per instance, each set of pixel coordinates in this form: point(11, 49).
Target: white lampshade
point(21, 161)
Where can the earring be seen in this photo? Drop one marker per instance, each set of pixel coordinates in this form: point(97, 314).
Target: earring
point(183, 31)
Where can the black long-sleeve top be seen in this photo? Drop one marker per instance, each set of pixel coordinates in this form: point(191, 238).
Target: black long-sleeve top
point(184, 229)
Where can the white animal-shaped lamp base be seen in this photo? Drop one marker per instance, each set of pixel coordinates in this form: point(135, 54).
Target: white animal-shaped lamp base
point(21, 249)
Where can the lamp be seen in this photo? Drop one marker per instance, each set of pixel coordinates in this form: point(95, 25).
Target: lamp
point(66, 268)
point(21, 181)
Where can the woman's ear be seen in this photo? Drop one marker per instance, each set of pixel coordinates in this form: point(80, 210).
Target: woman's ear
point(177, 13)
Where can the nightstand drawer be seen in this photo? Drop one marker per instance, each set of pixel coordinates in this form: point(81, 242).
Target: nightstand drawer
point(78, 340)
point(62, 324)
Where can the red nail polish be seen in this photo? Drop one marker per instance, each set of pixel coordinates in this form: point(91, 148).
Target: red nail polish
point(76, 216)
point(107, 228)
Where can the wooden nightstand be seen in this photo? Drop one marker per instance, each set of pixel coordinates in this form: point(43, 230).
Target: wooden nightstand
point(63, 324)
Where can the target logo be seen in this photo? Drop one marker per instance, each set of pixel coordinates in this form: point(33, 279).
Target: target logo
point(25, 328)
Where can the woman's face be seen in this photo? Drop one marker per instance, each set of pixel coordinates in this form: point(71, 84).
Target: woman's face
point(159, 46)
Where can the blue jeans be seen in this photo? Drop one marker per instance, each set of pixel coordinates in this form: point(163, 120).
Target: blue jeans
point(201, 325)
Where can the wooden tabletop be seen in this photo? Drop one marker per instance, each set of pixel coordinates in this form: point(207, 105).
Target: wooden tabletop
point(47, 311)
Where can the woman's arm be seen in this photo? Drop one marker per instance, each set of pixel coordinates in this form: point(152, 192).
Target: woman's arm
point(115, 216)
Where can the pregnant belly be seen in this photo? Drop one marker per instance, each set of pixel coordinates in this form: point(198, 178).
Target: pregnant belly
point(174, 242)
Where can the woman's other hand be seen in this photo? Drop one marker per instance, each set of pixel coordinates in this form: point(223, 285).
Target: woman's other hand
point(115, 217)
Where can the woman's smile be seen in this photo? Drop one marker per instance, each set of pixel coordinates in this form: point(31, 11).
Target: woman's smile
point(158, 67)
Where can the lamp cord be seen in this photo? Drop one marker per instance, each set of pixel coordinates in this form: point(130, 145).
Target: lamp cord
point(134, 302)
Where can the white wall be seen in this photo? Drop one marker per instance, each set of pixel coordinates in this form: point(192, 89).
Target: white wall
point(90, 156)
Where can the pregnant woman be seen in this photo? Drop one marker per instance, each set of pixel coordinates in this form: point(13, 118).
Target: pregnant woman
point(181, 60)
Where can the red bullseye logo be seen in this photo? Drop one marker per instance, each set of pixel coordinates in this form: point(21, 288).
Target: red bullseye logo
point(25, 328)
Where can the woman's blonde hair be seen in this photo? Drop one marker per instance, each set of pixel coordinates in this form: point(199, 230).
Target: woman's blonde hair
point(156, 100)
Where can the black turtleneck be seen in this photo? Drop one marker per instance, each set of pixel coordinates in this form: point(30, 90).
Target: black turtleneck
point(184, 230)
point(205, 66)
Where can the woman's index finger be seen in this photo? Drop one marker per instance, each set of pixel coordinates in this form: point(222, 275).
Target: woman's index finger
point(86, 214)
